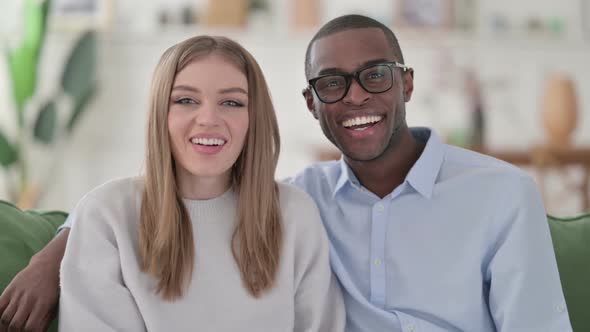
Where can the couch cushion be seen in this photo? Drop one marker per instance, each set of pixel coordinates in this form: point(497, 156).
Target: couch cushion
point(571, 241)
point(22, 234)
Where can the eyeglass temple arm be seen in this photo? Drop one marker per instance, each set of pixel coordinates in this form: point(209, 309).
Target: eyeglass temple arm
point(405, 68)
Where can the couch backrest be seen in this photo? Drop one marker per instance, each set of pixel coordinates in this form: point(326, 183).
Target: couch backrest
point(571, 241)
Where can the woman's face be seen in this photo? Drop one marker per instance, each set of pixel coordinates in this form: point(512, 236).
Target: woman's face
point(208, 118)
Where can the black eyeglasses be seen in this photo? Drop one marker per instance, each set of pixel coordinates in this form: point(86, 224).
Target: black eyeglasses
point(377, 78)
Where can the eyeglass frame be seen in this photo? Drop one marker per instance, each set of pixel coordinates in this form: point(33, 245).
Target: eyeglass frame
point(349, 76)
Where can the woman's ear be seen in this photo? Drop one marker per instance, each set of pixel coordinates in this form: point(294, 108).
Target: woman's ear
point(308, 95)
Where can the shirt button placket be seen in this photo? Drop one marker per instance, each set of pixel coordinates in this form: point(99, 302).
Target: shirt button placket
point(379, 228)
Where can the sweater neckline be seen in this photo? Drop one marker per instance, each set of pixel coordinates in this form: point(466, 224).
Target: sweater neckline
point(222, 201)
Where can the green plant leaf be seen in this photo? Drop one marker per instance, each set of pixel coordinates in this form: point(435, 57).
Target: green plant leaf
point(80, 70)
point(80, 105)
point(23, 74)
point(45, 124)
point(23, 61)
point(35, 12)
point(8, 152)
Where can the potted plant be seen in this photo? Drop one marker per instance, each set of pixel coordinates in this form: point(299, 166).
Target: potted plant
point(42, 127)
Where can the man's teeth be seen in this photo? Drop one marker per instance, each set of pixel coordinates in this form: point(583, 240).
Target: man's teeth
point(361, 120)
point(208, 141)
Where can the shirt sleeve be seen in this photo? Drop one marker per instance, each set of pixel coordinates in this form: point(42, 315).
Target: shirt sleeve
point(93, 294)
point(524, 286)
point(318, 298)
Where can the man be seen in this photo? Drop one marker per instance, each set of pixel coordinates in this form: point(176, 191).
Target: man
point(425, 236)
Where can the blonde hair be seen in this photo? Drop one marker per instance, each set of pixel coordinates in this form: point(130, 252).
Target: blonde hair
point(166, 235)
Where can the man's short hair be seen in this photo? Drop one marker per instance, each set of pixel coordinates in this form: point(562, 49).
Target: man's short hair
point(350, 22)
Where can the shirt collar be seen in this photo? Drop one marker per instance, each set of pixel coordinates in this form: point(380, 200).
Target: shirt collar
point(346, 175)
point(422, 176)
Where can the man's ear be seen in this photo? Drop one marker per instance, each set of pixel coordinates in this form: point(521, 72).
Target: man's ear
point(408, 78)
point(308, 95)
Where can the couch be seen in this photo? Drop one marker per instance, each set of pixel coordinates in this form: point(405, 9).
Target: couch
point(23, 233)
point(571, 242)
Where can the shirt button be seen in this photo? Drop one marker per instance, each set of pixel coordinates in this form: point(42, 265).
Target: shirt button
point(377, 262)
point(560, 308)
point(380, 208)
point(411, 327)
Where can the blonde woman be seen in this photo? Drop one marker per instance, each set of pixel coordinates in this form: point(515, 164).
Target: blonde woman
point(206, 240)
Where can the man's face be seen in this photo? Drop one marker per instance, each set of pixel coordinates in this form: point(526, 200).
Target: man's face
point(362, 125)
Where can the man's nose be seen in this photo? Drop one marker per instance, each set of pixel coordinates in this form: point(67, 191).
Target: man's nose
point(356, 95)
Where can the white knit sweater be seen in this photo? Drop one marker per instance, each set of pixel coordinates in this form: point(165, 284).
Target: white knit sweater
point(104, 289)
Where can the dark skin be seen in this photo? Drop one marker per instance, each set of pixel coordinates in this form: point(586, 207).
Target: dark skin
point(30, 300)
point(381, 155)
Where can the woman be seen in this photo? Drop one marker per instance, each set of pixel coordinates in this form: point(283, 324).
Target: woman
point(205, 240)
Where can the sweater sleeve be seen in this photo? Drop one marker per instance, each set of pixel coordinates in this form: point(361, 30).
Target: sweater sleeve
point(67, 224)
point(318, 299)
point(94, 296)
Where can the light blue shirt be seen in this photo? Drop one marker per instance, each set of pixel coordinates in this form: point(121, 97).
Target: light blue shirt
point(462, 244)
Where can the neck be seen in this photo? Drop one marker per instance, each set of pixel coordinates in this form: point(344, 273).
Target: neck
point(198, 187)
point(385, 173)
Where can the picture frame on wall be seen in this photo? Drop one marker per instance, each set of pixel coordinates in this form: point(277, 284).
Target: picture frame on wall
point(426, 14)
point(81, 14)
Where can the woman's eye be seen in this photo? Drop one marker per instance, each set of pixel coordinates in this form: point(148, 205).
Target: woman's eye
point(185, 101)
point(232, 103)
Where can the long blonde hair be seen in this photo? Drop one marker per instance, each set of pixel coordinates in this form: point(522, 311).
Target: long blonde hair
point(166, 236)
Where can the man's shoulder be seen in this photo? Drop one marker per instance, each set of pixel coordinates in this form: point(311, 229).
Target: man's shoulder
point(486, 177)
point(459, 161)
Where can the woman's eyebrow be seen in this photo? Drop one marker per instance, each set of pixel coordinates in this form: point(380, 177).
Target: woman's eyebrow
point(234, 89)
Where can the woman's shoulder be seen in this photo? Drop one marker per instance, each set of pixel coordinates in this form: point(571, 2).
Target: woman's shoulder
point(294, 197)
point(298, 207)
point(118, 199)
point(120, 189)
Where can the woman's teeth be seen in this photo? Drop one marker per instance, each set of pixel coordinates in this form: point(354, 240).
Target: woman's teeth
point(361, 120)
point(208, 141)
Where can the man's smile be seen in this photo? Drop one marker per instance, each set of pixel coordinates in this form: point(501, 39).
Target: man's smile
point(359, 123)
